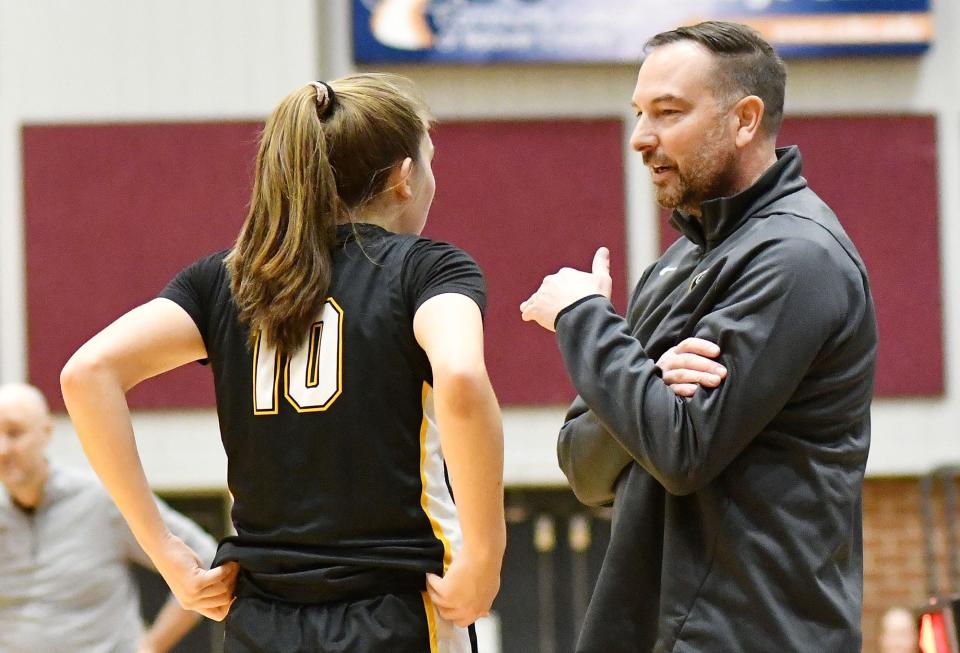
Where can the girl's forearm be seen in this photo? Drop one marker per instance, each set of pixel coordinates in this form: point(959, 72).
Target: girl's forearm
point(96, 401)
point(471, 435)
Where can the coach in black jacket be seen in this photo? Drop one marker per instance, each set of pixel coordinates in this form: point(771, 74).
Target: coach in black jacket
point(735, 471)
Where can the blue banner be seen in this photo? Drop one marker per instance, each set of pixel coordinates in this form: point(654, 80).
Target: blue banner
point(613, 31)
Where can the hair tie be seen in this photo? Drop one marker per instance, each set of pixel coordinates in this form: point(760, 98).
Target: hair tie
point(326, 98)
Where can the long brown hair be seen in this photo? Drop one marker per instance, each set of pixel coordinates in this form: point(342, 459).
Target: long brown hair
point(318, 162)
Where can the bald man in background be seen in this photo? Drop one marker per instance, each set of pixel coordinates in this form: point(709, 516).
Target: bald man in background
point(65, 582)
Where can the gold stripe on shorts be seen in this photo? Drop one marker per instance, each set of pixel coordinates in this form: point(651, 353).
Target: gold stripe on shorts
point(431, 622)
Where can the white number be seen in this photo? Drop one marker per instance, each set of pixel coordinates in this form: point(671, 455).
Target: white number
point(313, 375)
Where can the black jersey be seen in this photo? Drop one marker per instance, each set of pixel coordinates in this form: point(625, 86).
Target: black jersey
point(335, 468)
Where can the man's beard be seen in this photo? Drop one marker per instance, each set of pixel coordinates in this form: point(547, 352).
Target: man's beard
point(708, 174)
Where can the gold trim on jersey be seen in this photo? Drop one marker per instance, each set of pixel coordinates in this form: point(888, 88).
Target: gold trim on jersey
point(308, 364)
point(314, 355)
point(274, 409)
point(424, 499)
point(313, 363)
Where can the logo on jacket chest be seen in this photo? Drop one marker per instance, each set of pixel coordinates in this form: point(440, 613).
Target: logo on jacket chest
point(696, 280)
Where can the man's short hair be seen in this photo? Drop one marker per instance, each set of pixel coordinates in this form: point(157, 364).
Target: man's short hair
point(746, 64)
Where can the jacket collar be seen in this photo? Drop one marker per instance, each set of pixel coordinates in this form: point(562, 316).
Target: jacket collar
point(723, 215)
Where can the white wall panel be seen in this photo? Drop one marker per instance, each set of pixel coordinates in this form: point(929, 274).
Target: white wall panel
point(180, 449)
point(149, 59)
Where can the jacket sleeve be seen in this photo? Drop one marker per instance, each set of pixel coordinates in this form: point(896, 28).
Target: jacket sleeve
point(589, 456)
point(770, 324)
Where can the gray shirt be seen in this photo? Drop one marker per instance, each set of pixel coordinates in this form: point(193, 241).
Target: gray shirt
point(65, 583)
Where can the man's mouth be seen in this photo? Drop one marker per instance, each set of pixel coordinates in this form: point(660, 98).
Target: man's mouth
point(659, 172)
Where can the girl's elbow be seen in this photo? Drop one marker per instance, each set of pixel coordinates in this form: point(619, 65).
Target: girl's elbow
point(463, 389)
point(80, 370)
point(465, 379)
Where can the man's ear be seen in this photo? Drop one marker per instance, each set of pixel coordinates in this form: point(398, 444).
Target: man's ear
point(399, 180)
point(748, 113)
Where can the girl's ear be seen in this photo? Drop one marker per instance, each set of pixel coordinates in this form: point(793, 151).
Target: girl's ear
point(399, 180)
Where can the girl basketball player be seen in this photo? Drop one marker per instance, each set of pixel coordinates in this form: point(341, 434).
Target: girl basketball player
point(335, 334)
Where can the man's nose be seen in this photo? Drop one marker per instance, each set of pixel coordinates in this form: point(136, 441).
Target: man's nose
point(4, 444)
point(642, 139)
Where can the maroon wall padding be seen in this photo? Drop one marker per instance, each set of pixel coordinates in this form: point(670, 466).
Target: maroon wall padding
point(879, 174)
point(114, 211)
point(525, 199)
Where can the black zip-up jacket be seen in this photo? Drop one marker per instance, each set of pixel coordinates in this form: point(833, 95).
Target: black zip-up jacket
point(737, 512)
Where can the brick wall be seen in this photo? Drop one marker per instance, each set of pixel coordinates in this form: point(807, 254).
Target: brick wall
point(894, 566)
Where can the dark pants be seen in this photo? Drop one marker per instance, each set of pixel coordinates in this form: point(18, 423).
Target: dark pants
point(391, 623)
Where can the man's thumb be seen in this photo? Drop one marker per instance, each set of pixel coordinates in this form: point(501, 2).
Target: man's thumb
point(601, 262)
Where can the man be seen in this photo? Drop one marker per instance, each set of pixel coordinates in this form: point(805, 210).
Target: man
point(727, 418)
point(64, 550)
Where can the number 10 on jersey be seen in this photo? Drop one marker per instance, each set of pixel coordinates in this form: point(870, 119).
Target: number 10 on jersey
point(313, 374)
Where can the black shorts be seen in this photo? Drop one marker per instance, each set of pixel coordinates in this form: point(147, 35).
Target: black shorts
point(391, 623)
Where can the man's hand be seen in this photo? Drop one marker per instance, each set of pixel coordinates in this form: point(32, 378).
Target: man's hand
point(565, 287)
point(466, 591)
point(688, 366)
point(207, 591)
